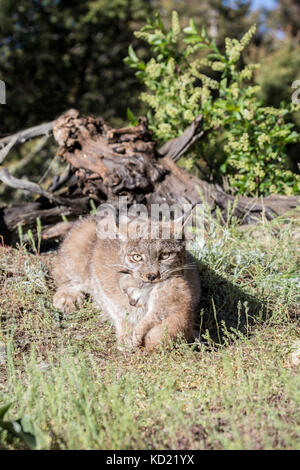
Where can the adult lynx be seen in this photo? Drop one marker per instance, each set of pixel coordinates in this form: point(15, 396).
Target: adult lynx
point(147, 287)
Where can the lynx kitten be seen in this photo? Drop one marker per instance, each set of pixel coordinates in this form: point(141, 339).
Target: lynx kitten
point(147, 287)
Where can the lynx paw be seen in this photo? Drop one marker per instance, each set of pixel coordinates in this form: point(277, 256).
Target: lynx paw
point(134, 297)
point(124, 341)
point(125, 345)
point(136, 340)
point(68, 300)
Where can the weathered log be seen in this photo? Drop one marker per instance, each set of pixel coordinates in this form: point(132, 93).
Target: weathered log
point(105, 163)
point(26, 215)
point(134, 167)
point(109, 161)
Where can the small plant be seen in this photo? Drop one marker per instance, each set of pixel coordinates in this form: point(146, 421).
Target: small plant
point(35, 244)
point(67, 375)
point(39, 234)
point(93, 210)
point(21, 236)
point(244, 141)
point(31, 240)
point(21, 429)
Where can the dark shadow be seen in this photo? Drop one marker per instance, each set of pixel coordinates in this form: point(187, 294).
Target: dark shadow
point(225, 308)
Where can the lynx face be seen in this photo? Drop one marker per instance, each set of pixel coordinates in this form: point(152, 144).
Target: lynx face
point(153, 261)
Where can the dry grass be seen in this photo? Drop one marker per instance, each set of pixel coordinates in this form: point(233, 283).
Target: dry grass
point(237, 389)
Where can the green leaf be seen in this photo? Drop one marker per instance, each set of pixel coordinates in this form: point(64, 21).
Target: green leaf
point(194, 39)
point(3, 410)
point(191, 29)
point(132, 54)
point(223, 168)
point(24, 430)
point(141, 65)
point(131, 117)
point(188, 30)
point(16, 429)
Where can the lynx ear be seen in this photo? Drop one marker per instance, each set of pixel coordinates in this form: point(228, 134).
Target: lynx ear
point(106, 222)
point(133, 228)
point(122, 228)
point(182, 221)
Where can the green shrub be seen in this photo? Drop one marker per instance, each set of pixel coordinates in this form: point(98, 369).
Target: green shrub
point(244, 141)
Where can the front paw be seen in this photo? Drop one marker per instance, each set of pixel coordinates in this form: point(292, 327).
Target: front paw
point(137, 339)
point(125, 344)
point(134, 297)
point(67, 301)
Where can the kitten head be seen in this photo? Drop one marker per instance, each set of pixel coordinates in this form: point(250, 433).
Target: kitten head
point(152, 253)
point(152, 260)
point(149, 250)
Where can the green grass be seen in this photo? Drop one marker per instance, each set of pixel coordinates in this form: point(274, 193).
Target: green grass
point(238, 389)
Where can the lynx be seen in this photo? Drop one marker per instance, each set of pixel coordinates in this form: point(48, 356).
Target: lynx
point(148, 288)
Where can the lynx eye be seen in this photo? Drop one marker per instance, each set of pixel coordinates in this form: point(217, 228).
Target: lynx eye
point(165, 255)
point(136, 257)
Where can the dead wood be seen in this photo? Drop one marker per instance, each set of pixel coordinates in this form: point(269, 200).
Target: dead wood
point(16, 183)
point(104, 163)
point(177, 147)
point(28, 134)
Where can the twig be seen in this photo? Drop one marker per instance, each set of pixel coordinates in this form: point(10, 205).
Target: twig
point(7, 143)
point(59, 180)
point(22, 163)
point(175, 148)
point(16, 183)
point(28, 134)
point(4, 152)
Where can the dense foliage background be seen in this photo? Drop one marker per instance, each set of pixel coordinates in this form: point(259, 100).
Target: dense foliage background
point(59, 54)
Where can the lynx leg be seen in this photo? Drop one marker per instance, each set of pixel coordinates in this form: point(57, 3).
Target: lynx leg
point(67, 297)
point(142, 328)
point(124, 335)
point(167, 330)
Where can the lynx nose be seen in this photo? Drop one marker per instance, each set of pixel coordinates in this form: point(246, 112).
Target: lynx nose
point(152, 276)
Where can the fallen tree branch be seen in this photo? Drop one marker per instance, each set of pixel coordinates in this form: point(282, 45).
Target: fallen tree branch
point(28, 134)
point(23, 162)
point(60, 180)
point(4, 152)
point(176, 147)
point(25, 214)
point(16, 183)
point(56, 231)
point(8, 142)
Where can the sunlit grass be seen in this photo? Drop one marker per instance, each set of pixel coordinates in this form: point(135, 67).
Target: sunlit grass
point(238, 389)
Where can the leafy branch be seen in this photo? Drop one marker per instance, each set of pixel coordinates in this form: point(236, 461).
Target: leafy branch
point(188, 75)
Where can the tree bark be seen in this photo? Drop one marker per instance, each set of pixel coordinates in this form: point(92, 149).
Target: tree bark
point(105, 163)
